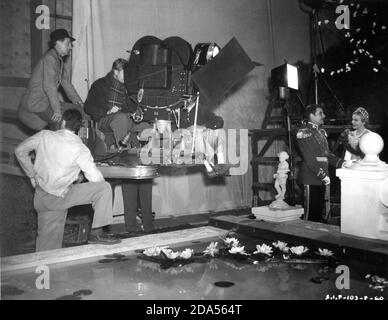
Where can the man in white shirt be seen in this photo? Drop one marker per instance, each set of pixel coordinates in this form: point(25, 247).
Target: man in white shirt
point(60, 156)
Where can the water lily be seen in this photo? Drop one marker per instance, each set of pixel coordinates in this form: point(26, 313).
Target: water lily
point(263, 268)
point(173, 271)
point(171, 254)
point(212, 264)
point(325, 252)
point(148, 265)
point(234, 266)
point(282, 246)
point(187, 253)
point(298, 266)
point(231, 242)
point(179, 270)
point(154, 251)
point(211, 249)
point(299, 250)
point(239, 250)
point(265, 249)
point(379, 280)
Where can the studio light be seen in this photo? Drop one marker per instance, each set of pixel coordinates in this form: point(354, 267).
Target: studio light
point(203, 53)
point(285, 77)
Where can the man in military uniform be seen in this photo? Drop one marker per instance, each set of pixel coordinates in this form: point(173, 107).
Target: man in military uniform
point(314, 174)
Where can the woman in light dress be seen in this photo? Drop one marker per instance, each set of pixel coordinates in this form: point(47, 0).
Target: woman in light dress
point(351, 138)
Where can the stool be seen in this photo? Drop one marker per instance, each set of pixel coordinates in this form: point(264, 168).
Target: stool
point(76, 232)
point(78, 225)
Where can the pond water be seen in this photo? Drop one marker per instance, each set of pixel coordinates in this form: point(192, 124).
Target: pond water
point(130, 277)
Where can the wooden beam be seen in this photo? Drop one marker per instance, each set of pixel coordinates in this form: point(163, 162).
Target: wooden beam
point(8, 115)
point(11, 170)
point(60, 16)
point(266, 146)
point(14, 82)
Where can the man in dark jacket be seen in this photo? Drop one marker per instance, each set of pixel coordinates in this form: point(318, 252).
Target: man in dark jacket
point(314, 174)
point(41, 105)
point(108, 103)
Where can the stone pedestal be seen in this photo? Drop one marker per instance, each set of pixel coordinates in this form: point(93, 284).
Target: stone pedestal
point(363, 192)
point(277, 215)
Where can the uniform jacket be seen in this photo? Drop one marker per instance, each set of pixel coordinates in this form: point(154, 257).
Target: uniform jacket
point(42, 91)
point(105, 93)
point(316, 155)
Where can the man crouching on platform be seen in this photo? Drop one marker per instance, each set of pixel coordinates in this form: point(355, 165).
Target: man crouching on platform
point(60, 156)
point(108, 104)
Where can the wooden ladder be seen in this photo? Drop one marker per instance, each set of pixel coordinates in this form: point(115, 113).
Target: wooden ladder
point(274, 128)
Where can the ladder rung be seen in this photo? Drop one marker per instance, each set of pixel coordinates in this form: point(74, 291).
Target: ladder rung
point(265, 160)
point(263, 185)
point(276, 118)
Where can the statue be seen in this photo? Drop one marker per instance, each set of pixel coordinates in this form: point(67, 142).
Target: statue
point(279, 210)
point(281, 177)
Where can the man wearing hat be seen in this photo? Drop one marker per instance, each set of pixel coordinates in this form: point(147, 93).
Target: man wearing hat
point(42, 105)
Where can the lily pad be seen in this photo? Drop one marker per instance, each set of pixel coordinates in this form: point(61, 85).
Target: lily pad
point(114, 256)
point(83, 292)
point(224, 284)
point(106, 260)
point(8, 290)
point(318, 279)
point(69, 297)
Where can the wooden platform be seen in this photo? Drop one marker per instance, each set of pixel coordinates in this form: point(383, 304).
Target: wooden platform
point(14, 263)
point(300, 232)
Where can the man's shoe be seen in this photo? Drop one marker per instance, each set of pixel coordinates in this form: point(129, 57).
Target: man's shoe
point(102, 239)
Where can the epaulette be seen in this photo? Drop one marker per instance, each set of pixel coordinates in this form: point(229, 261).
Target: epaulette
point(303, 133)
point(323, 131)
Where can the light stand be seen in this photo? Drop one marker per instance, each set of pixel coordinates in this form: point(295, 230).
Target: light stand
point(195, 122)
point(314, 37)
point(314, 33)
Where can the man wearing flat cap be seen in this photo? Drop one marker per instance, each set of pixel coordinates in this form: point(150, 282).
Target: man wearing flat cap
point(42, 105)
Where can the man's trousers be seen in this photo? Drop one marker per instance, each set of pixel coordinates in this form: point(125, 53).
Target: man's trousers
point(314, 202)
point(52, 211)
point(40, 120)
point(134, 190)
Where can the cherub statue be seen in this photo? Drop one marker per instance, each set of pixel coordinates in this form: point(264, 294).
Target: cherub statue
point(281, 175)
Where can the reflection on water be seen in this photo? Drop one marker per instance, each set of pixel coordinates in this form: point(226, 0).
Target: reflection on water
point(127, 277)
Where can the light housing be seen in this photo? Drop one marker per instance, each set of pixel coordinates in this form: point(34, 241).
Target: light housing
point(203, 53)
point(285, 75)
